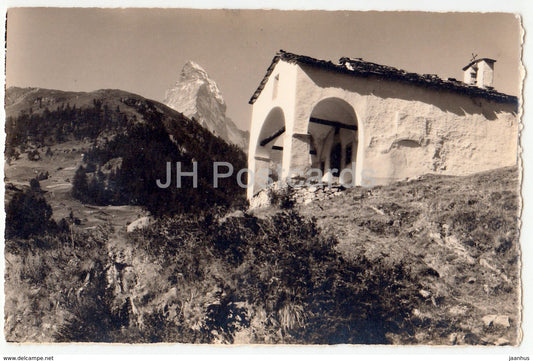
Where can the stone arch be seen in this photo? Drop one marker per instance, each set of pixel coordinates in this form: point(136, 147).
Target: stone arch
point(268, 152)
point(336, 139)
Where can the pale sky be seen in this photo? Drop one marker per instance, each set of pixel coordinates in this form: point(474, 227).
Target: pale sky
point(143, 50)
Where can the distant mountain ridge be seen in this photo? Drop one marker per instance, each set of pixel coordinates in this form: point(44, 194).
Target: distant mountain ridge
point(197, 96)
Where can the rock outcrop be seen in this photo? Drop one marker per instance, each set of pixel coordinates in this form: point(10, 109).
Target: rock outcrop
point(197, 96)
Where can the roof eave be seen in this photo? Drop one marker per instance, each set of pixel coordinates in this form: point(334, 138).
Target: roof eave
point(383, 71)
point(263, 82)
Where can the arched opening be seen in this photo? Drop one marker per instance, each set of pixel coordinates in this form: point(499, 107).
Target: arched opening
point(335, 140)
point(269, 149)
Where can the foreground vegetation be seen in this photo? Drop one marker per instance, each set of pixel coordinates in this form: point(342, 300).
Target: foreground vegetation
point(189, 279)
point(415, 262)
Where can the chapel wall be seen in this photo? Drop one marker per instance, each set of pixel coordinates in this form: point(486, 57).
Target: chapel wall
point(407, 130)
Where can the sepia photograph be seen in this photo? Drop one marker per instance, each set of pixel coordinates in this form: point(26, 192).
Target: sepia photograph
point(262, 177)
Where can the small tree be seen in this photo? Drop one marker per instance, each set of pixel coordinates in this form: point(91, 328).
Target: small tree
point(35, 186)
point(80, 185)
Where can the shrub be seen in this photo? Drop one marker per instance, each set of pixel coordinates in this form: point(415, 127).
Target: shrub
point(34, 155)
point(282, 198)
point(28, 214)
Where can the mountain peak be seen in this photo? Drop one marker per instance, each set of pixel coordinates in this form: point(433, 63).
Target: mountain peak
point(192, 69)
point(197, 96)
point(193, 75)
point(190, 64)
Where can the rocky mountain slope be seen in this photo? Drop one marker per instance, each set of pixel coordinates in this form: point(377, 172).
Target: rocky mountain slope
point(197, 96)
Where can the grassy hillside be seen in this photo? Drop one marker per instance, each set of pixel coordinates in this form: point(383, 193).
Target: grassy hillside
point(121, 142)
point(432, 261)
point(459, 236)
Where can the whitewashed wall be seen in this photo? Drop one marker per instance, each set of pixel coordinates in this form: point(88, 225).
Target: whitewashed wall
point(404, 130)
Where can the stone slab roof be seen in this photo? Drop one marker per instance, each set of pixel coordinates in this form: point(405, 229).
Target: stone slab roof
point(358, 67)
